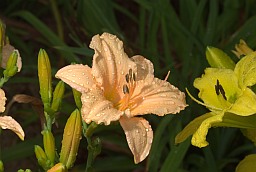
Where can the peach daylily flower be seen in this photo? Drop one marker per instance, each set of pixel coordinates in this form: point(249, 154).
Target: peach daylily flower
point(7, 122)
point(118, 88)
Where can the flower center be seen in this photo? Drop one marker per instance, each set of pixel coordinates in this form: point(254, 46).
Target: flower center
point(128, 90)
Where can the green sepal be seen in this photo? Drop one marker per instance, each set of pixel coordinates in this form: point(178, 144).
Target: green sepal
point(218, 59)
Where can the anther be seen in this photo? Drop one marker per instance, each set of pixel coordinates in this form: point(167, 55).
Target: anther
point(130, 73)
point(127, 78)
point(219, 90)
point(134, 77)
point(125, 89)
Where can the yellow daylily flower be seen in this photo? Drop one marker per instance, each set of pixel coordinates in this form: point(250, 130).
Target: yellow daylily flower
point(7, 122)
point(118, 88)
point(227, 94)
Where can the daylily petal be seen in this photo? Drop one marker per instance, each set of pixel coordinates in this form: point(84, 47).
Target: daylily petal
point(110, 64)
point(245, 105)
point(7, 122)
point(199, 126)
point(158, 97)
point(247, 164)
point(97, 108)
point(206, 85)
point(199, 137)
point(145, 69)
point(192, 127)
point(77, 76)
point(246, 70)
point(139, 136)
point(2, 100)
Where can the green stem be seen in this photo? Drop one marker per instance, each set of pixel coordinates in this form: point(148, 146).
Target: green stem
point(90, 155)
point(88, 132)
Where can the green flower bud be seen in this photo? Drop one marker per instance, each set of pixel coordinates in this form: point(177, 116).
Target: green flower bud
point(57, 96)
point(42, 158)
point(218, 59)
point(58, 168)
point(1, 163)
point(45, 77)
point(71, 139)
point(11, 66)
point(49, 144)
point(77, 97)
point(27, 170)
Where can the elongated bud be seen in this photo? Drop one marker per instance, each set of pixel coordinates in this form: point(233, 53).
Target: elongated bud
point(49, 144)
point(45, 77)
point(58, 168)
point(41, 157)
point(218, 59)
point(11, 66)
point(1, 163)
point(57, 95)
point(77, 97)
point(71, 139)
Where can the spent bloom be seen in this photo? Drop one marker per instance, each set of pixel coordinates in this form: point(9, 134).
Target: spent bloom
point(119, 88)
point(7, 122)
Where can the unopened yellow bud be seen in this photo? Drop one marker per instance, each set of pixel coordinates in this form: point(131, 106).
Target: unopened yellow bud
point(57, 96)
point(41, 157)
point(58, 168)
point(1, 166)
point(218, 59)
point(49, 144)
point(45, 77)
point(71, 139)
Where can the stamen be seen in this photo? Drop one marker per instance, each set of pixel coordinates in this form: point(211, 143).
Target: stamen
point(125, 89)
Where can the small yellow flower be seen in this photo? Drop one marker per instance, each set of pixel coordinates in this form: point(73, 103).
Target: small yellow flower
point(118, 88)
point(7, 122)
point(242, 49)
